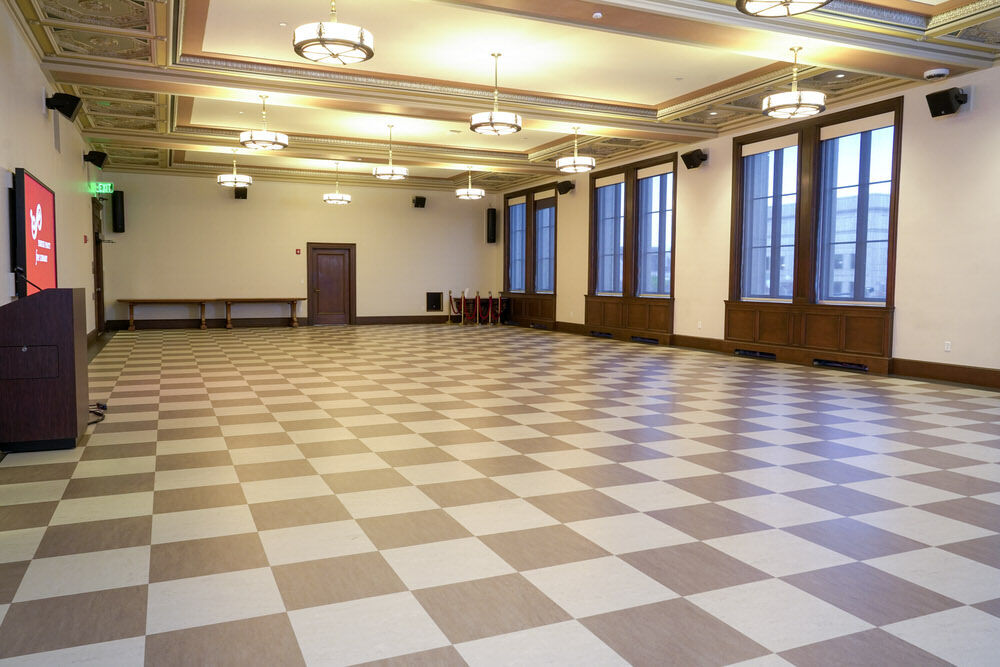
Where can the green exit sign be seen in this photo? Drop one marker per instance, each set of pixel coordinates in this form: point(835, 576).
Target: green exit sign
point(103, 188)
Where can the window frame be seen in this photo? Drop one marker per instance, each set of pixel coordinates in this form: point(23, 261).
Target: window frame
point(807, 242)
point(630, 251)
point(530, 260)
point(542, 204)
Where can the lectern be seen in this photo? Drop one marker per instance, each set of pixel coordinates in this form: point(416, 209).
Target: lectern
point(43, 371)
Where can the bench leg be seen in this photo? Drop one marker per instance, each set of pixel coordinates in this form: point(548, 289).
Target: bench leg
point(229, 315)
point(295, 319)
point(203, 315)
point(131, 317)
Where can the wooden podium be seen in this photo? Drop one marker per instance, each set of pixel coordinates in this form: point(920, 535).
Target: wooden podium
point(43, 371)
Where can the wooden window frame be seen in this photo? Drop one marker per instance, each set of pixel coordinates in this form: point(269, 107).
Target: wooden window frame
point(529, 238)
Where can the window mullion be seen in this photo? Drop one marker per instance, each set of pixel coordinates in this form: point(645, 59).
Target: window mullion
point(776, 185)
point(861, 240)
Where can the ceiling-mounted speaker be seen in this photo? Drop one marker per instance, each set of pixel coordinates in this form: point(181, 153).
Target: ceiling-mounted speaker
point(419, 202)
point(563, 187)
point(66, 104)
point(96, 158)
point(946, 102)
point(694, 159)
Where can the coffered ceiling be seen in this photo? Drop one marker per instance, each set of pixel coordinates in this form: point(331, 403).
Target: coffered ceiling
point(169, 84)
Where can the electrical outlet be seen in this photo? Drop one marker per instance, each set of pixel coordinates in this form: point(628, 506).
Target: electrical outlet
point(947, 346)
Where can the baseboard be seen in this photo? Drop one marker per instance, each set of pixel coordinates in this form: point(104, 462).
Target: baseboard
point(570, 327)
point(194, 323)
point(401, 319)
point(932, 370)
point(699, 343)
point(91, 337)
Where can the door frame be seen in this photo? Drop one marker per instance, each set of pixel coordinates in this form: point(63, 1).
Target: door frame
point(97, 227)
point(351, 249)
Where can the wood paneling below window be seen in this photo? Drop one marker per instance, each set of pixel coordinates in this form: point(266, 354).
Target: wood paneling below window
point(628, 317)
point(528, 310)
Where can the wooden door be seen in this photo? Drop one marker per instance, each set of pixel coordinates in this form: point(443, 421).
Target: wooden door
point(331, 283)
point(96, 208)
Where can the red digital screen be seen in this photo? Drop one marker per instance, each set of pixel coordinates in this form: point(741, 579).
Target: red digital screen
point(36, 214)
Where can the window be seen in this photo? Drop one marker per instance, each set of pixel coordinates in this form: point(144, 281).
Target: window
point(656, 210)
point(610, 204)
point(518, 249)
point(545, 245)
point(769, 198)
point(855, 187)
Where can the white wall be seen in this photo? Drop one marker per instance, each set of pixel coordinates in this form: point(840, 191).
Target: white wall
point(188, 237)
point(51, 148)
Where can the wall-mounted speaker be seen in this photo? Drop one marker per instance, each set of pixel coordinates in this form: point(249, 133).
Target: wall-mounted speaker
point(240, 193)
point(694, 159)
point(491, 225)
point(96, 158)
point(419, 202)
point(564, 187)
point(946, 102)
point(118, 211)
point(66, 104)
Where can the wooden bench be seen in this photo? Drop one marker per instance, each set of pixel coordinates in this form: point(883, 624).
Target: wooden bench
point(132, 303)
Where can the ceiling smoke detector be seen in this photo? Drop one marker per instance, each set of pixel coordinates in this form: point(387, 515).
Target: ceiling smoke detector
point(937, 74)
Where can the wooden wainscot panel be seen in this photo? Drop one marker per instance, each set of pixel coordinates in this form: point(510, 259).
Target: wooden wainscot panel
point(865, 334)
point(547, 309)
point(659, 317)
point(774, 327)
point(638, 316)
point(612, 314)
point(740, 323)
point(593, 313)
point(821, 330)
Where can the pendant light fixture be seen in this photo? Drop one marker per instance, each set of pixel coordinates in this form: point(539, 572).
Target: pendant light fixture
point(333, 43)
point(495, 122)
point(338, 197)
point(389, 172)
point(576, 163)
point(264, 139)
point(778, 8)
point(794, 103)
point(234, 180)
point(470, 192)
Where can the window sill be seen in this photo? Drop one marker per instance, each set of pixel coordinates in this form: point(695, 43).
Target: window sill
point(655, 296)
point(865, 304)
point(762, 299)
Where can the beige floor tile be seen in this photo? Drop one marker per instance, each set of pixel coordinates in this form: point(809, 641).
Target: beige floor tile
point(265, 640)
point(314, 541)
point(500, 516)
point(431, 473)
point(20, 545)
point(382, 502)
point(445, 562)
point(625, 533)
point(182, 479)
point(559, 643)
point(103, 507)
point(287, 488)
point(963, 636)
point(943, 572)
point(84, 573)
point(778, 553)
point(265, 454)
point(202, 523)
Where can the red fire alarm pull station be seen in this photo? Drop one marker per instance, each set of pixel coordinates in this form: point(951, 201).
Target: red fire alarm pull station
point(84, 238)
point(298, 251)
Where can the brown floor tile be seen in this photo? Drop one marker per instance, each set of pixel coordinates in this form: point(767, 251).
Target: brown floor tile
point(314, 450)
point(835, 472)
point(693, 568)
point(970, 510)
point(189, 433)
point(265, 640)
point(626, 453)
point(984, 549)
point(214, 555)
point(197, 498)
point(830, 450)
point(947, 480)
point(936, 459)
point(506, 465)
point(446, 656)
point(122, 427)
point(252, 418)
point(378, 430)
point(36, 473)
point(707, 521)
point(726, 461)
point(487, 422)
point(607, 475)
point(462, 437)
point(365, 480)
point(298, 512)
point(919, 439)
point(26, 515)
point(76, 538)
point(72, 620)
point(466, 492)
point(253, 472)
point(990, 607)
point(579, 505)
point(414, 457)
point(194, 460)
point(257, 440)
point(421, 416)
point(236, 402)
point(733, 442)
point(403, 530)
point(562, 428)
point(872, 647)
point(87, 487)
point(542, 547)
point(350, 412)
point(843, 500)
point(104, 452)
point(718, 487)
point(870, 594)
point(330, 580)
point(10, 578)
point(488, 607)
point(855, 539)
point(639, 436)
point(291, 425)
point(537, 445)
point(672, 632)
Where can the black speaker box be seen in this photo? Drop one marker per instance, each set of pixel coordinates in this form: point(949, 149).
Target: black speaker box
point(491, 225)
point(946, 102)
point(66, 104)
point(419, 202)
point(118, 211)
point(694, 159)
point(564, 187)
point(239, 193)
point(96, 158)
point(434, 301)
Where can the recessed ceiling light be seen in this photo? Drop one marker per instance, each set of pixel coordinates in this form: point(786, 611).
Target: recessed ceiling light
point(597, 15)
point(713, 113)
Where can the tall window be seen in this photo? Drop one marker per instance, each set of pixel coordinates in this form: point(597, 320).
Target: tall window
point(610, 204)
point(518, 240)
point(656, 211)
point(769, 193)
point(855, 187)
point(545, 245)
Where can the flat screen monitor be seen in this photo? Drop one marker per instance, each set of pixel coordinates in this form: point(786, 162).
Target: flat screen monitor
point(33, 234)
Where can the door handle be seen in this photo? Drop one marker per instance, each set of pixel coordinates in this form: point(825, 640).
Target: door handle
point(316, 290)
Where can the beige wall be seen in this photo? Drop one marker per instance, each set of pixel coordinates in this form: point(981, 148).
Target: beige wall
point(51, 148)
point(188, 237)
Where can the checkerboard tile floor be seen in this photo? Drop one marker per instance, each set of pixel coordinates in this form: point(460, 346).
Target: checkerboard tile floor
point(450, 495)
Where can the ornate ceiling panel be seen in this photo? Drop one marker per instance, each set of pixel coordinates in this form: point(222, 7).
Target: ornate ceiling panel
point(119, 14)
